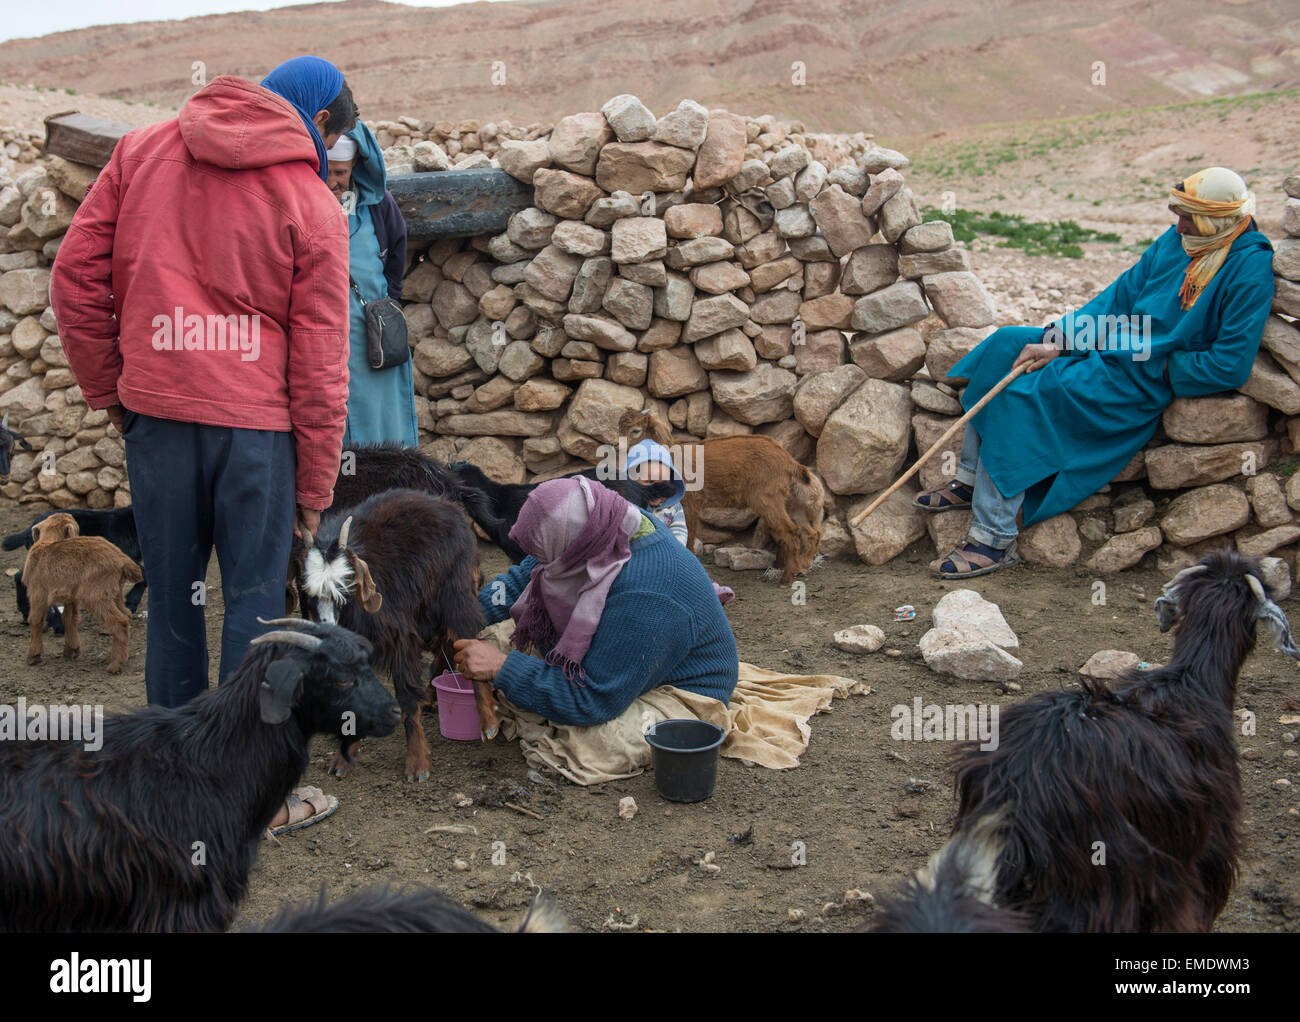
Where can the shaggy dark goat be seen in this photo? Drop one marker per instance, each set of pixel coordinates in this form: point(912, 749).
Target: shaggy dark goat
point(953, 893)
point(380, 467)
point(506, 500)
point(385, 910)
point(1143, 771)
point(117, 525)
point(402, 570)
point(157, 830)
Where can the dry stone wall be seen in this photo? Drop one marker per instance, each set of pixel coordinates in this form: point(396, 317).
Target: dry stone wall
point(737, 274)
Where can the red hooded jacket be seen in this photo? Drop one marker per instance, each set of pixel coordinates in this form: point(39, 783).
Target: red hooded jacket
point(205, 278)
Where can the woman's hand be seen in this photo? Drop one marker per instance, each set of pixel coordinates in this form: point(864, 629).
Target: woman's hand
point(1037, 355)
point(478, 660)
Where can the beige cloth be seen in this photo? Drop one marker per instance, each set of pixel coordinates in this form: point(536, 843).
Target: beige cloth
point(766, 722)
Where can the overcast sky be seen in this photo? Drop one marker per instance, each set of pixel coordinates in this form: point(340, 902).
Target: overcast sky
point(23, 20)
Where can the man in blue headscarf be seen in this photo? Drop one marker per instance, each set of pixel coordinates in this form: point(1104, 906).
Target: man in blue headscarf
point(317, 90)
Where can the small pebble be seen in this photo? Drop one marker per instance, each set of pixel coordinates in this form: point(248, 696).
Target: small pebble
point(1011, 686)
point(856, 894)
point(1288, 736)
point(795, 915)
point(1291, 754)
point(626, 807)
point(461, 801)
point(893, 652)
point(1251, 754)
point(460, 865)
point(1281, 784)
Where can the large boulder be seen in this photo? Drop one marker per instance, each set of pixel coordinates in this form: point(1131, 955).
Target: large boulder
point(1217, 419)
point(865, 440)
point(890, 529)
point(1203, 513)
point(764, 394)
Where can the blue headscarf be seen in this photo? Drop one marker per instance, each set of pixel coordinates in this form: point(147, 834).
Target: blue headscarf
point(310, 84)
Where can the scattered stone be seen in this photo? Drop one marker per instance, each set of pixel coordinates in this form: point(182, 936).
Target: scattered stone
point(967, 654)
point(626, 807)
point(1109, 664)
point(967, 609)
point(859, 639)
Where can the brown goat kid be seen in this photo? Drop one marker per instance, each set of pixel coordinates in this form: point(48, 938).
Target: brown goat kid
point(752, 472)
point(82, 573)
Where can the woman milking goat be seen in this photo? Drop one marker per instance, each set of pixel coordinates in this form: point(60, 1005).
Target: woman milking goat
point(607, 606)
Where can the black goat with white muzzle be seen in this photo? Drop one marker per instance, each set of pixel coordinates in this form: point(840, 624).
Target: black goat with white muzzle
point(158, 828)
point(1121, 804)
point(9, 437)
point(401, 569)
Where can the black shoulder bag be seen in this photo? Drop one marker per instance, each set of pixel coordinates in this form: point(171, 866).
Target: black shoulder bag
point(386, 344)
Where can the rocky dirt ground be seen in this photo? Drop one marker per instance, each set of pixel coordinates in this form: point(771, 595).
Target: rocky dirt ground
point(850, 802)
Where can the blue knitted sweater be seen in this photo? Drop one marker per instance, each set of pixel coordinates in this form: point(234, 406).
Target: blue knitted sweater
point(662, 625)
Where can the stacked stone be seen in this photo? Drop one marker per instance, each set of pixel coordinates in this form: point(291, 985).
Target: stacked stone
point(413, 145)
point(78, 459)
point(18, 146)
point(707, 265)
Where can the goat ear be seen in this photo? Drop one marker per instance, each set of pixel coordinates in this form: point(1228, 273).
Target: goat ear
point(371, 598)
point(1276, 620)
point(279, 689)
point(73, 528)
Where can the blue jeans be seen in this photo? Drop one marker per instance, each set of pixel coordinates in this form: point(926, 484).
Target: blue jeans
point(194, 487)
point(995, 515)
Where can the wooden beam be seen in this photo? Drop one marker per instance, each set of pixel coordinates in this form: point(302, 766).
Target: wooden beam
point(458, 203)
point(82, 138)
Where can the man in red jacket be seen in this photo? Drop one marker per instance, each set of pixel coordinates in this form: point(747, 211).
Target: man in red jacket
point(202, 299)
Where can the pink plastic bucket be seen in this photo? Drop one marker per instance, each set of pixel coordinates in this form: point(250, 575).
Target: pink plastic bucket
point(457, 712)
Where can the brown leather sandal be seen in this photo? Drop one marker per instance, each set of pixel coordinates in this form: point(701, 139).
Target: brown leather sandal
point(972, 563)
point(947, 494)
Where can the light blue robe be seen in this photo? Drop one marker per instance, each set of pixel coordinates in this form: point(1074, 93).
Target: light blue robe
point(1064, 431)
point(381, 402)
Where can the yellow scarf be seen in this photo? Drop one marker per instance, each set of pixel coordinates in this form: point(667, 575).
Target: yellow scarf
point(1218, 222)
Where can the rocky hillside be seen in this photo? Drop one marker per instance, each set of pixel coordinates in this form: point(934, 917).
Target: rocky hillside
point(885, 65)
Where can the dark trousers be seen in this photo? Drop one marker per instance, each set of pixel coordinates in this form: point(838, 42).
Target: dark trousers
point(193, 487)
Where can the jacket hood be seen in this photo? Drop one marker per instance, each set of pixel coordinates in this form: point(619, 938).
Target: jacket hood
point(369, 176)
point(235, 124)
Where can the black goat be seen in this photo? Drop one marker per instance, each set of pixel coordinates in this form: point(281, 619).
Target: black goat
point(401, 569)
point(506, 499)
point(117, 525)
point(1121, 804)
point(9, 437)
point(370, 469)
point(953, 893)
point(157, 830)
point(385, 910)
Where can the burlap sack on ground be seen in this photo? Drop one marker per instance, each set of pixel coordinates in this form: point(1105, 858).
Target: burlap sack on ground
point(766, 723)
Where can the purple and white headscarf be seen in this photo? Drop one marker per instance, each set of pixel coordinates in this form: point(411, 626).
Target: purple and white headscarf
point(580, 532)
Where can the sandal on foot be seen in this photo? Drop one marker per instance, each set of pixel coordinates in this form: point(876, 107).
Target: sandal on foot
point(307, 805)
point(969, 562)
point(953, 496)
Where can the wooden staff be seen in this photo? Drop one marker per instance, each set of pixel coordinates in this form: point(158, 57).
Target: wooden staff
point(862, 517)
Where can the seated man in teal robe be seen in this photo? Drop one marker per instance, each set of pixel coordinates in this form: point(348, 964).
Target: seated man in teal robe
point(1184, 321)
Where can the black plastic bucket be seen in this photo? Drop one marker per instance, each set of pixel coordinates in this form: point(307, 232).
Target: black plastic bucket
point(685, 758)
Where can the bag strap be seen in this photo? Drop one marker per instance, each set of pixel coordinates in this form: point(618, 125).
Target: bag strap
point(360, 297)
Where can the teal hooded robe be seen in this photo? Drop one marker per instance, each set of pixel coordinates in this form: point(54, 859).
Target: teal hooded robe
point(1064, 431)
point(381, 402)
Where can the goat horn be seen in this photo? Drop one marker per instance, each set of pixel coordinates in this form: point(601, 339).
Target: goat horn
point(343, 532)
point(1257, 588)
point(4, 423)
point(308, 642)
point(296, 623)
point(1195, 569)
